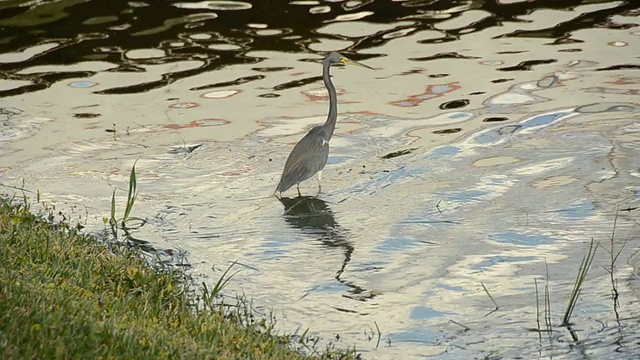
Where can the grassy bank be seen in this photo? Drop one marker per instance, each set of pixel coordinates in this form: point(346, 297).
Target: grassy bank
point(66, 295)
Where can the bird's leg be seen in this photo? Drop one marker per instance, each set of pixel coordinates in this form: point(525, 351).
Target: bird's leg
point(319, 181)
point(298, 187)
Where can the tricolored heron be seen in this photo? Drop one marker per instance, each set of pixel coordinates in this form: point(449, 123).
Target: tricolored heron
point(310, 154)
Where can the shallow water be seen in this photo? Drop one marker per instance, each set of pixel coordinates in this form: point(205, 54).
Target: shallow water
point(521, 122)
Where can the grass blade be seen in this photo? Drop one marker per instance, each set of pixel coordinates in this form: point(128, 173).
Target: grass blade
point(577, 286)
point(113, 220)
point(490, 297)
point(131, 195)
point(223, 281)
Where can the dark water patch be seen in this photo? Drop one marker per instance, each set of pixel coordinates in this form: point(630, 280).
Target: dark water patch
point(52, 77)
point(269, 95)
point(86, 115)
point(297, 83)
point(184, 149)
point(24, 89)
point(413, 71)
point(348, 311)
point(448, 131)
point(587, 20)
point(570, 50)
point(238, 81)
point(498, 81)
point(509, 52)
point(620, 67)
point(354, 5)
point(448, 55)
point(151, 85)
point(272, 68)
point(191, 31)
point(495, 119)
point(442, 40)
point(394, 154)
point(420, 3)
point(41, 81)
point(127, 68)
point(616, 26)
point(454, 104)
point(527, 65)
point(564, 40)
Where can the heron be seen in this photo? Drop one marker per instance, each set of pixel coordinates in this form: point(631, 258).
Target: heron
point(309, 156)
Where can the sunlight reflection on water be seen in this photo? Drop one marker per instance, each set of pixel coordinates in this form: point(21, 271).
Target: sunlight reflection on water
point(513, 129)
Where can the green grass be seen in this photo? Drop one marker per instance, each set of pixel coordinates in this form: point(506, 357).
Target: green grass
point(67, 295)
point(132, 194)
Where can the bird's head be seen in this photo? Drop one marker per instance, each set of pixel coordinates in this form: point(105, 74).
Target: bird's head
point(337, 58)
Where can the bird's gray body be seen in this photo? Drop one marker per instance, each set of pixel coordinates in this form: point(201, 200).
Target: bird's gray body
point(311, 153)
point(309, 156)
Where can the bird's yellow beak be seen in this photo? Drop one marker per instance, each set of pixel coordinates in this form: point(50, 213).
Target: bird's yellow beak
point(346, 61)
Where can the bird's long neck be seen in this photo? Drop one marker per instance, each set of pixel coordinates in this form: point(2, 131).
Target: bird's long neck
point(330, 124)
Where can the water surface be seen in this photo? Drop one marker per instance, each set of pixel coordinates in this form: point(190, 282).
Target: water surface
point(492, 143)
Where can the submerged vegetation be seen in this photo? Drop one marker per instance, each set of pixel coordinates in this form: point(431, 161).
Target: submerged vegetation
point(65, 294)
point(576, 291)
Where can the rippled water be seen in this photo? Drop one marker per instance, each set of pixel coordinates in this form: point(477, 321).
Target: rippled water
point(492, 143)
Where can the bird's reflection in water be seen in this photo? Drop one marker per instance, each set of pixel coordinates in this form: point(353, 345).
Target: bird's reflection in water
point(314, 216)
